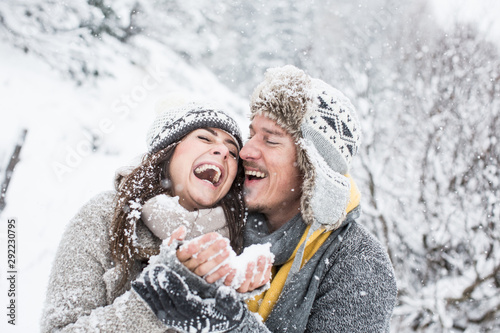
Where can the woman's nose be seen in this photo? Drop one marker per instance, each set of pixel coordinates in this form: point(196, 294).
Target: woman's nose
point(221, 149)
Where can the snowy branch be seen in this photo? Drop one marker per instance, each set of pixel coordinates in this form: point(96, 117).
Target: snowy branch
point(467, 292)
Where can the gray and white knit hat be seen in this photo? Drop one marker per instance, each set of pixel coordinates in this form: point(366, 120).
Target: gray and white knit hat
point(325, 127)
point(176, 121)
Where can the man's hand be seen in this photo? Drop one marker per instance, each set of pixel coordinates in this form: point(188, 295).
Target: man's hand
point(178, 235)
point(256, 275)
point(201, 255)
point(204, 254)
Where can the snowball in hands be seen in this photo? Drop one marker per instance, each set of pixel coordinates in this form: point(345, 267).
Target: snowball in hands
point(240, 262)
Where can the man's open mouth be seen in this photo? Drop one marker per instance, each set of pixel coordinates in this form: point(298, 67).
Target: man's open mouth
point(209, 173)
point(253, 174)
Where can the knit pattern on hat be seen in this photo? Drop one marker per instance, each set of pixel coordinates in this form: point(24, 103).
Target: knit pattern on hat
point(174, 123)
point(331, 122)
point(323, 123)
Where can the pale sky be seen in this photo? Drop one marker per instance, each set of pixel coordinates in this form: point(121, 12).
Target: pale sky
point(485, 12)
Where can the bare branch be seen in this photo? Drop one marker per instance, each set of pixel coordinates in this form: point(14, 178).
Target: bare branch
point(10, 168)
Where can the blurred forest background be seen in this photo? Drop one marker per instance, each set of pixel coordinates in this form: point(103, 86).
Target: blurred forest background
point(428, 96)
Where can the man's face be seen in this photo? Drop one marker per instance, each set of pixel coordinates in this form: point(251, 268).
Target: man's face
point(272, 179)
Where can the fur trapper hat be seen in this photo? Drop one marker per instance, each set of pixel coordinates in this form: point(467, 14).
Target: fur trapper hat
point(325, 127)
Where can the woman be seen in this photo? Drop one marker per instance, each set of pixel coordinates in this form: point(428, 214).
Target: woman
point(193, 155)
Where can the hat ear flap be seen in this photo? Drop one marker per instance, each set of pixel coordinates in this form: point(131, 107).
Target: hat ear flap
point(329, 192)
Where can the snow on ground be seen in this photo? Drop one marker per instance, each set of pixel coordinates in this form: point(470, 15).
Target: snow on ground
point(58, 172)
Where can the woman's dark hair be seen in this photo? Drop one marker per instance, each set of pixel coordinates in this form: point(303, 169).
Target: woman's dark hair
point(149, 179)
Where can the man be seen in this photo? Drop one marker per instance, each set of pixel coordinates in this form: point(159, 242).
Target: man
point(303, 136)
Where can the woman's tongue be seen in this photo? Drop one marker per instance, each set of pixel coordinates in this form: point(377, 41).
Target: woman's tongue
point(209, 175)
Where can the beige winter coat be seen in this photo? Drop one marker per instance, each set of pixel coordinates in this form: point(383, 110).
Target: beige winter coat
point(79, 297)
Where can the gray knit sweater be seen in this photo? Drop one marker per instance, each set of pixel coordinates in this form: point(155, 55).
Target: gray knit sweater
point(79, 297)
point(79, 294)
point(347, 286)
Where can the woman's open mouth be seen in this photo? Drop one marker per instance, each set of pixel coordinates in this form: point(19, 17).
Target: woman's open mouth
point(209, 173)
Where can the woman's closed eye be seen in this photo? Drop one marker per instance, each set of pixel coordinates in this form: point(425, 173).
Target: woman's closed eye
point(203, 138)
point(233, 154)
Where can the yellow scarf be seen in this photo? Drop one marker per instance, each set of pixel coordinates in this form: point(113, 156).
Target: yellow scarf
point(264, 303)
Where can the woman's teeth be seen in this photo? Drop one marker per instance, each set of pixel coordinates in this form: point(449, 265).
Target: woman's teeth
point(208, 172)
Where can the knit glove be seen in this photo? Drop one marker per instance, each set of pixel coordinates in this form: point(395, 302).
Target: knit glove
point(176, 305)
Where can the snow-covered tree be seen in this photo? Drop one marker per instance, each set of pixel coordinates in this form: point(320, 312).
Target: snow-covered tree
point(72, 37)
point(456, 87)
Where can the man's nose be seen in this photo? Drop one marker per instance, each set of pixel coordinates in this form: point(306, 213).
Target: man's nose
point(250, 151)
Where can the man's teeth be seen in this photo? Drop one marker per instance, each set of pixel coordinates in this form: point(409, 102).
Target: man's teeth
point(204, 167)
point(254, 173)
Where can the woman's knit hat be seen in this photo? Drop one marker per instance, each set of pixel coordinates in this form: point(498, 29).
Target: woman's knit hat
point(325, 127)
point(176, 119)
